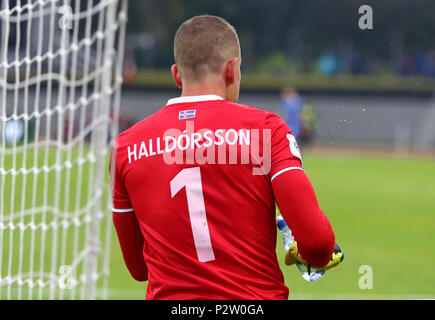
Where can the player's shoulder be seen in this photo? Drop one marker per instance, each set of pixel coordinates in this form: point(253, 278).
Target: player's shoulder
point(269, 118)
point(252, 111)
point(242, 107)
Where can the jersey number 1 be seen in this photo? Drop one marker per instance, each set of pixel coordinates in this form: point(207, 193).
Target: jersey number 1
point(191, 180)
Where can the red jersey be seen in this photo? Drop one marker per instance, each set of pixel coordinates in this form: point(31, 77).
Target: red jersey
point(197, 174)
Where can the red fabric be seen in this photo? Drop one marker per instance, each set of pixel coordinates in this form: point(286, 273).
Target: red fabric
point(239, 207)
point(131, 241)
point(299, 207)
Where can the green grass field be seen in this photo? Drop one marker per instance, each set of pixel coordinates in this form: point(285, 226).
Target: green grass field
point(382, 209)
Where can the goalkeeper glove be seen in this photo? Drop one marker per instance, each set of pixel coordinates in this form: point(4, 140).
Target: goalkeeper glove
point(292, 255)
point(337, 257)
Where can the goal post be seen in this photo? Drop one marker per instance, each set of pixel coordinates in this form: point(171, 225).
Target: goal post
point(60, 90)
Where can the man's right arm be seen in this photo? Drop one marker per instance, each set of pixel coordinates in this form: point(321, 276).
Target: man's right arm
point(298, 204)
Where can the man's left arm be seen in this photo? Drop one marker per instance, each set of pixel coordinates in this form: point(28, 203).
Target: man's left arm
point(126, 224)
point(131, 241)
point(296, 198)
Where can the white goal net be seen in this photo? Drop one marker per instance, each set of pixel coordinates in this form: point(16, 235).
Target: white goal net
point(60, 82)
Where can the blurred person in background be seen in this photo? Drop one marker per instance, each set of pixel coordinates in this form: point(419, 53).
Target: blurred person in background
point(291, 105)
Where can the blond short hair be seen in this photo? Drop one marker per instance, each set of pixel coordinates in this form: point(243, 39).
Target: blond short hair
point(203, 44)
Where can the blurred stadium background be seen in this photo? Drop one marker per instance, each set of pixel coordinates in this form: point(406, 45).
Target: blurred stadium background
point(368, 101)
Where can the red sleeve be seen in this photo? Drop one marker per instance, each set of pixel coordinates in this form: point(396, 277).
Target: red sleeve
point(298, 204)
point(121, 201)
point(132, 242)
point(285, 153)
point(127, 227)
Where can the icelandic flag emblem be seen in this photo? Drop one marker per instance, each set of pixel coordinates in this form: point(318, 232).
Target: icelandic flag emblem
point(187, 114)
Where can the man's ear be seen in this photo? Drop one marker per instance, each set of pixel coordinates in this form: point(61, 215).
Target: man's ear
point(176, 75)
point(230, 71)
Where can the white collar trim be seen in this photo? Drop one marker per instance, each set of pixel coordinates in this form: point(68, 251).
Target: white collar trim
point(206, 97)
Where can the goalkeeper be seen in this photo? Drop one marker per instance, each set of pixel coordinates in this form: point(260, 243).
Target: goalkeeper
point(208, 231)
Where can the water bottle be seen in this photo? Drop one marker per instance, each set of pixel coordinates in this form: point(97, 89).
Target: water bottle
point(287, 236)
point(308, 273)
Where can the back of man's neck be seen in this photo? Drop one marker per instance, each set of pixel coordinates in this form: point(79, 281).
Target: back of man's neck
point(201, 90)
